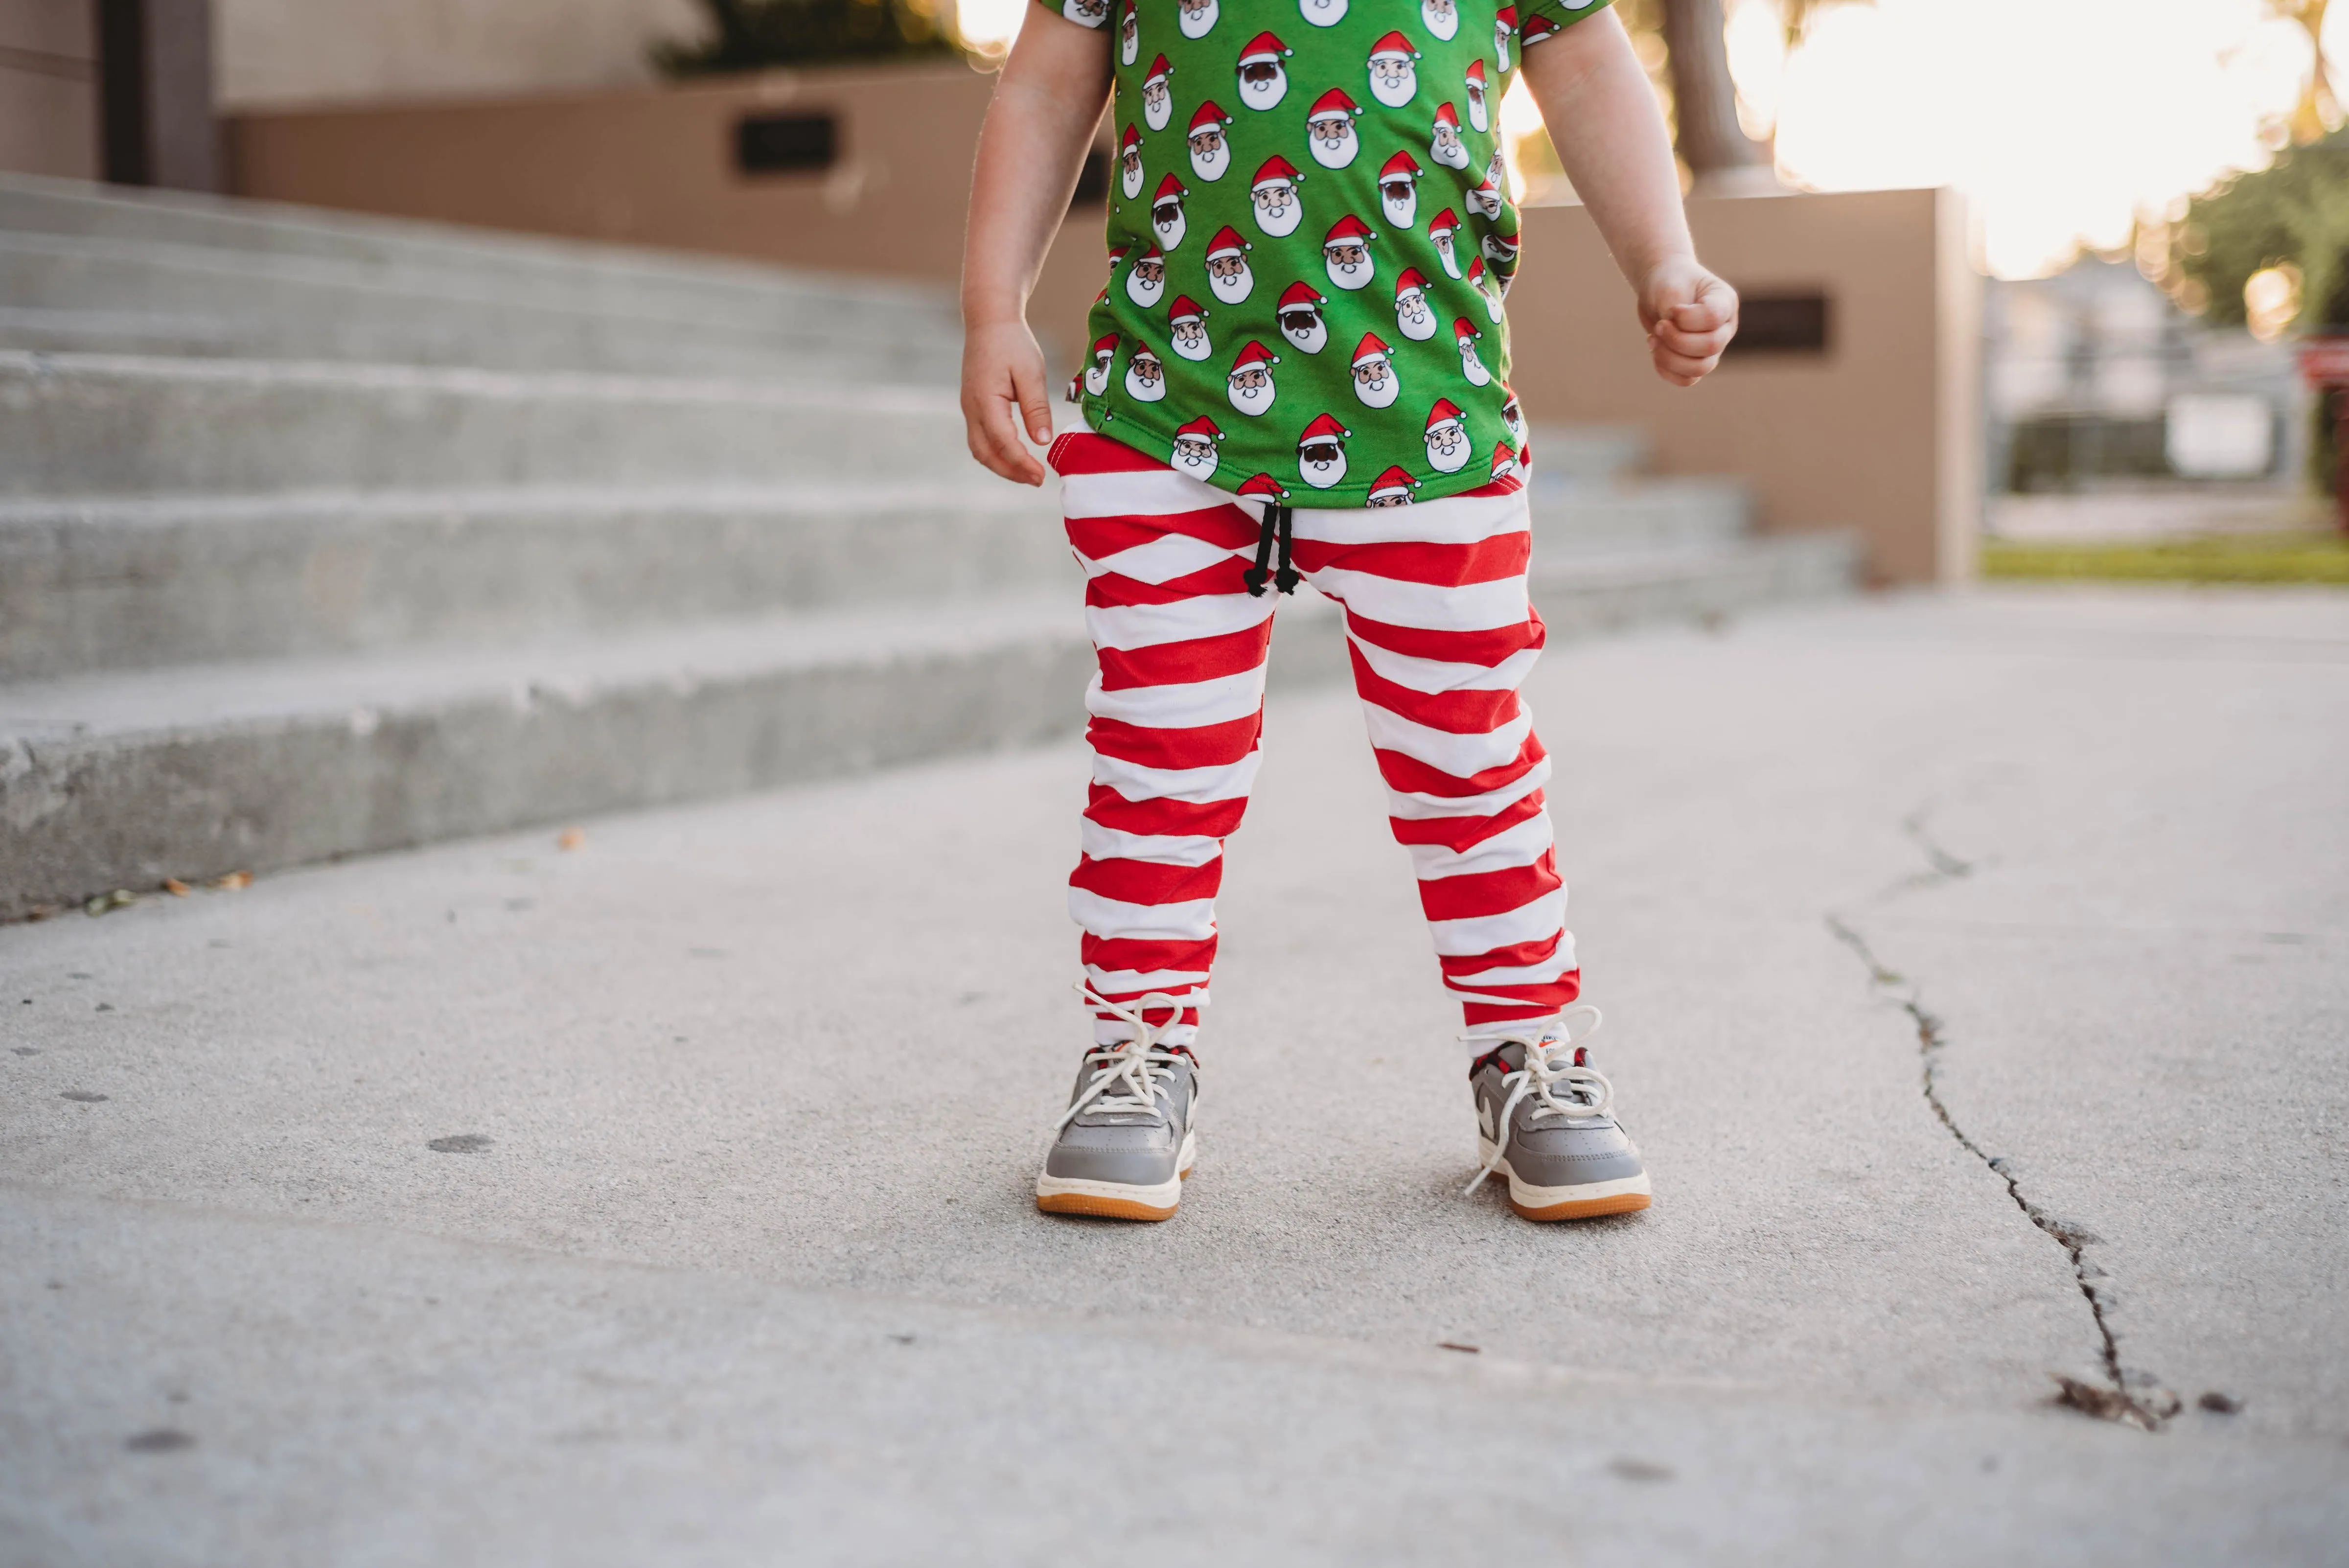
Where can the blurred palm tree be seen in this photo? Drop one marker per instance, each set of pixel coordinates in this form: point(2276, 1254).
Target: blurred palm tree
point(755, 34)
point(2318, 110)
point(1681, 42)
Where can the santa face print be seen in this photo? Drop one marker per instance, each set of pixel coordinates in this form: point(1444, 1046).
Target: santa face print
point(1277, 209)
point(1484, 201)
point(1157, 103)
point(1189, 339)
point(1321, 461)
point(1166, 221)
point(1477, 114)
point(1442, 17)
point(1376, 383)
point(1303, 327)
point(1197, 18)
point(1097, 375)
point(1447, 446)
point(1496, 175)
point(1487, 286)
point(1145, 378)
point(1147, 280)
point(1129, 168)
point(1322, 12)
point(1128, 35)
point(1513, 417)
point(1210, 153)
point(1332, 140)
point(1444, 145)
point(1194, 455)
point(1413, 319)
point(1500, 43)
point(1229, 277)
point(1250, 388)
point(1444, 253)
point(1348, 263)
point(1399, 200)
point(1394, 79)
point(1085, 13)
point(1262, 84)
point(1472, 368)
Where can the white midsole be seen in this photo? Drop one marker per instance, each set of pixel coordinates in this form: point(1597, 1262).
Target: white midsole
point(1164, 1195)
point(1534, 1196)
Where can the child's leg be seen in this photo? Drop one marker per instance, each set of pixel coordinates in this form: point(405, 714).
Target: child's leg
point(1441, 634)
point(1177, 710)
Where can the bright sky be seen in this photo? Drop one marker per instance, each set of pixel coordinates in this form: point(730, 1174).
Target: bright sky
point(2061, 118)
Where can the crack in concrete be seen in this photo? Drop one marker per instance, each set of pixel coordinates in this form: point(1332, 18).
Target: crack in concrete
point(2131, 1395)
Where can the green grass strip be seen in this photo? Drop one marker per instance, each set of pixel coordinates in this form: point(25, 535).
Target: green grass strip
point(2214, 558)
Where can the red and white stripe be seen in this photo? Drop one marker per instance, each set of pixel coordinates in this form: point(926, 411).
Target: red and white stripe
point(1440, 635)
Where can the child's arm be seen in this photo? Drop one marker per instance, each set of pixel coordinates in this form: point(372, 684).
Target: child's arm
point(1609, 135)
point(1046, 102)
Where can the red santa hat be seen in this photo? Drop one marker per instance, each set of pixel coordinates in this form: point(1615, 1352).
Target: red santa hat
point(1445, 411)
point(1227, 243)
point(1369, 348)
point(1185, 309)
point(1129, 141)
point(1202, 428)
point(1142, 351)
point(1506, 245)
point(1412, 278)
point(1153, 254)
point(1117, 253)
point(1402, 166)
point(1463, 329)
point(1332, 104)
point(1208, 115)
point(1348, 230)
point(1536, 29)
point(1105, 346)
point(1506, 20)
point(1446, 222)
point(1393, 481)
point(1169, 189)
point(1393, 47)
point(1262, 49)
point(1504, 462)
point(1508, 399)
point(1254, 354)
point(1159, 71)
point(1446, 115)
point(1476, 270)
point(1264, 486)
point(1276, 170)
point(1300, 294)
point(1323, 428)
point(1476, 74)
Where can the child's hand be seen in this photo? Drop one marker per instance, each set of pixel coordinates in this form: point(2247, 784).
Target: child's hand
point(1690, 314)
point(1003, 390)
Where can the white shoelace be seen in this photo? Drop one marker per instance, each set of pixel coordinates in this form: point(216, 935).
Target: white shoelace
point(1559, 1088)
point(1130, 1077)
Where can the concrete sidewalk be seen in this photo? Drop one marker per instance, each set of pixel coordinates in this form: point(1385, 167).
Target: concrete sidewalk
point(1977, 972)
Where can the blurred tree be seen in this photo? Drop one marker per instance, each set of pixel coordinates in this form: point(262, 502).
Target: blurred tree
point(2318, 112)
point(1719, 154)
point(2293, 213)
point(753, 35)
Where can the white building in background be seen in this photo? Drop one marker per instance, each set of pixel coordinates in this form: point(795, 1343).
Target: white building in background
point(2094, 376)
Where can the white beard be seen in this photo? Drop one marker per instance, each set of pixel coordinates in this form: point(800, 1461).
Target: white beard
point(1097, 378)
point(1472, 368)
point(1478, 116)
point(1129, 46)
point(1382, 394)
point(1157, 111)
point(1448, 255)
point(1282, 219)
point(1231, 290)
point(1492, 300)
point(1322, 12)
point(1444, 23)
point(1192, 349)
point(1358, 276)
point(1145, 391)
point(1501, 48)
point(1210, 166)
point(1251, 400)
point(1413, 318)
point(1264, 96)
point(1129, 178)
point(1170, 233)
point(1400, 94)
point(1401, 213)
point(1142, 292)
point(1335, 153)
point(1451, 153)
point(1199, 465)
point(1197, 27)
point(1322, 475)
point(1449, 459)
point(1517, 429)
point(1309, 342)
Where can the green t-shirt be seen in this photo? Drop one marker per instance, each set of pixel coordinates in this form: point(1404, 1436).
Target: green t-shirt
point(1310, 235)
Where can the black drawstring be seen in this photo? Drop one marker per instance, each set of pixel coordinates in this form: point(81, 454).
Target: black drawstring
point(1277, 527)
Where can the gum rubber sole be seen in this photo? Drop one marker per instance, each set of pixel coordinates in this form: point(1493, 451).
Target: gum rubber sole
point(1103, 1201)
point(1587, 1209)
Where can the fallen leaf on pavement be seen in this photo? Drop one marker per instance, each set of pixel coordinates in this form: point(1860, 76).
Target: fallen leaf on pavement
point(173, 885)
point(233, 881)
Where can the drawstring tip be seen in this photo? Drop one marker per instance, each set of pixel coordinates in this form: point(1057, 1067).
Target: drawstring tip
point(1253, 579)
point(1286, 579)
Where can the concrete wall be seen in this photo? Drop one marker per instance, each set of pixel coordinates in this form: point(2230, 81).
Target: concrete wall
point(285, 52)
point(1878, 434)
point(1881, 434)
point(48, 87)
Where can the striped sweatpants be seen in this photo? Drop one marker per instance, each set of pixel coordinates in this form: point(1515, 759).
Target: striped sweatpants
point(1441, 634)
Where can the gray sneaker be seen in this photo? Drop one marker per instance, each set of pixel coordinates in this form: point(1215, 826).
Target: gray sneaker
point(1545, 1120)
point(1124, 1144)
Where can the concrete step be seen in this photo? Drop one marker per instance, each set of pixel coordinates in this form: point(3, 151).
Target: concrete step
point(1584, 454)
point(76, 424)
point(1616, 514)
point(303, 308)
point(137, 583)
point(121, 779)
point(618, 279)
